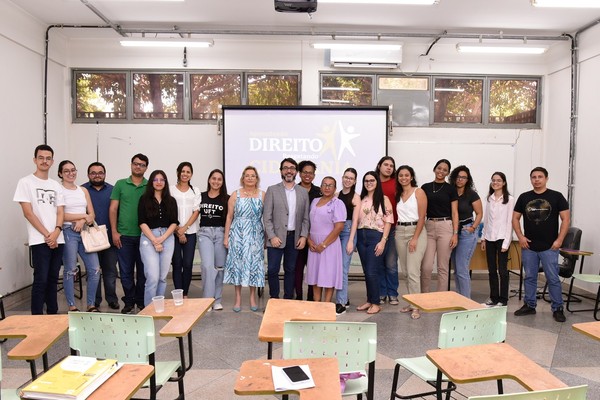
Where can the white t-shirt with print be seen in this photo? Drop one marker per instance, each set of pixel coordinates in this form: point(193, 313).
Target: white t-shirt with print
point(45, 196)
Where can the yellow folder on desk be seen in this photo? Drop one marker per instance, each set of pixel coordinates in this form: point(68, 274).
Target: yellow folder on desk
point(74, 378)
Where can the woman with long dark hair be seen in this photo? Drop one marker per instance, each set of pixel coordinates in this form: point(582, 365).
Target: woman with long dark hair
point(468, 203)
point(496, 238)
point(157, 216)
point(351, 200)
point(411, 235)
point(187, 198)
point(441, 225)
point(375, 219)
point(213, 215)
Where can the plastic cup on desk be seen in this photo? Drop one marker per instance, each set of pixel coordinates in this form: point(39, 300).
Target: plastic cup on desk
point(177, 296)
point(159, 303)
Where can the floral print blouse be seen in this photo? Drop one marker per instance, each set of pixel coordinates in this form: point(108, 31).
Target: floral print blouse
point(368, 219)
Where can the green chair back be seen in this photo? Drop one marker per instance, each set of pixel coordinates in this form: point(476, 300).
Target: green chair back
point(471, 327)
point(569, 393)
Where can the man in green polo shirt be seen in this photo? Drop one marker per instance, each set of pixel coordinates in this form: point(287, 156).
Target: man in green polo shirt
point(123, 214)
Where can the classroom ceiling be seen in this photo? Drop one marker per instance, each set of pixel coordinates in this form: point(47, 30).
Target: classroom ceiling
point(517, 17)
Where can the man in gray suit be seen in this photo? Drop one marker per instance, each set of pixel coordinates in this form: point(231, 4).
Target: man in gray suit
point(285, 216)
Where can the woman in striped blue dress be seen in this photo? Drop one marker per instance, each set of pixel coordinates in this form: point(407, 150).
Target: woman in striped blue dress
point(245, 239)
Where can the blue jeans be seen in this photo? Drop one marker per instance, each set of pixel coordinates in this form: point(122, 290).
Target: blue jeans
point(74, 246)
point(461, 259)
point(372, 265)
point(341, 296)
point(46, 267)
point(130, 261)
point(531, 263)
point(213, 254)
point(156, 264)
point(108, 265)
point(388, 277)
point(289, 254)
point(183, 261)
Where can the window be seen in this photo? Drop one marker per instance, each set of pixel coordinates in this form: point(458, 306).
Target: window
point(210, 90)
point(100, 95)
point(458, 100)
point(409, 98)
point(273, 89)
point(513, 101)
point(157, 96)
point(347, 90)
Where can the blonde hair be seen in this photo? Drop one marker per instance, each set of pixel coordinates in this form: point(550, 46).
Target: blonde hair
point(250, 168)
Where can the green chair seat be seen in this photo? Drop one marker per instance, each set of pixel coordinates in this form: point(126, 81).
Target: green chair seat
point(568, 393)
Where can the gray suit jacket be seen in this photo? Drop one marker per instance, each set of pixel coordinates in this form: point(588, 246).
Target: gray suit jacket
point(275, 213)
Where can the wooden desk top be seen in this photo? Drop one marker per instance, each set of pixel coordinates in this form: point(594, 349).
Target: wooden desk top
point(124, 383)
point(490, 362)
point(441, 301)
point(182, 318)
point(279, 310)
point(255, 378)
point(574, 252)
point(39, 333)
point(591, 329)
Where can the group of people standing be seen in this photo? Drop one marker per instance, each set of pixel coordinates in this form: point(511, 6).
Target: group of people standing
point(394, 225)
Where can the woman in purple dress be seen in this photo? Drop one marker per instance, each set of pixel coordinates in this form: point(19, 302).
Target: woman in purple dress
point(324, 265)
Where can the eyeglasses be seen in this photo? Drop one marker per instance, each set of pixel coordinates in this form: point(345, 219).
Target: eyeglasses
point(158, 180)
point(286, 168)
point(369, 181)
point(69, 171)
point(348, 178)
point(307, 173)
point(94, 173)
point(497, 181)
point(249, 176)
point(139, 164)
point(462, 178)
point(328, 185)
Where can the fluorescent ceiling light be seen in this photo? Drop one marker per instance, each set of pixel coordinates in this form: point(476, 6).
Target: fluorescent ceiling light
point(341, 45)
point(564, 3)
point(165, 42)
point(500, 48)
point(406, 2)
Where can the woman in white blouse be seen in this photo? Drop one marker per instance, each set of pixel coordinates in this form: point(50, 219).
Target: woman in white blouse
point(497, 236)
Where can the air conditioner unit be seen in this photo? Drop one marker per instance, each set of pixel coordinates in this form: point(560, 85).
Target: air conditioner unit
point(300, 6)
point(365, 58)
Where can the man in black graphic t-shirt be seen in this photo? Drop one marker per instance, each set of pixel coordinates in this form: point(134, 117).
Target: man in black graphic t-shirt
point(541, 208)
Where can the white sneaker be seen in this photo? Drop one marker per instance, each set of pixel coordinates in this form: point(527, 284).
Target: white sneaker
point(217, 307)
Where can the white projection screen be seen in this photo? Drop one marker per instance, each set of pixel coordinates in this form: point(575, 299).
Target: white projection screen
point(333, 138)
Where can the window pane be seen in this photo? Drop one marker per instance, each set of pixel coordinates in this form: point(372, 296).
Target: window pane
point(210, 90)
point(273, 90)
point(513, 101)
point(458, 100)
point(347, 90)
point(157, 96)
point(402, 83)
point(100, 95)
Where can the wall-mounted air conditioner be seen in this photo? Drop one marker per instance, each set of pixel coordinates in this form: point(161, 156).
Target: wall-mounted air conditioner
point(365, 58)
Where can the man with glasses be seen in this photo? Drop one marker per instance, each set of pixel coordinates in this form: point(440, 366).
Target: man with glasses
point(100, 192)
point(123, 214)
point(43, 207)
point(285, 217)
point(307, 175)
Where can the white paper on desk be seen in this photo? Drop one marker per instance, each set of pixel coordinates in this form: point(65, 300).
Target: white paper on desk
point(281, 382)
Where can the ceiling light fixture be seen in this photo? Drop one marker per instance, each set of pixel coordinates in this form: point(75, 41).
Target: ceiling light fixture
point(166, 42)
point(356, 45)
point(500, 48)
point(566, 3)
point(404, 2)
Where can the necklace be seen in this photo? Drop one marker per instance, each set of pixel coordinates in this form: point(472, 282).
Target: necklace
point(250, 194)
point(440, 188)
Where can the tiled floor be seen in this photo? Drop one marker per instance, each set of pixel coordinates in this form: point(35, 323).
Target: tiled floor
point(224, 339)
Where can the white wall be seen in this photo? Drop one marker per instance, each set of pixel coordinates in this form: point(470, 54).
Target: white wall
point(167, 145)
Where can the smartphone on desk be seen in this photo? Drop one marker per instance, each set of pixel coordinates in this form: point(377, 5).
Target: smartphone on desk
point(295, 374)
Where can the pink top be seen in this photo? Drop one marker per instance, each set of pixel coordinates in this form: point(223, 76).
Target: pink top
point(368, 219)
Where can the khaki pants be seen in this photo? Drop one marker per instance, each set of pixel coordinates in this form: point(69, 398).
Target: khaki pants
point(439, 234)
point(410, 263)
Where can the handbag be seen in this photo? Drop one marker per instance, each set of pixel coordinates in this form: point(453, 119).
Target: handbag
point(94, 238)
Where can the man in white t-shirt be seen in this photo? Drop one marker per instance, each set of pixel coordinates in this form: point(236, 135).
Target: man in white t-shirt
point(43, 207)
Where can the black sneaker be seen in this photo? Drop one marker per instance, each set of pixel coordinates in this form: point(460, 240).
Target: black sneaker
point(558, 315)
point(525, 310)
point(347, 303)
point(339, 309)
point(127, 309)
point(489, 303)
point(114, 305)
